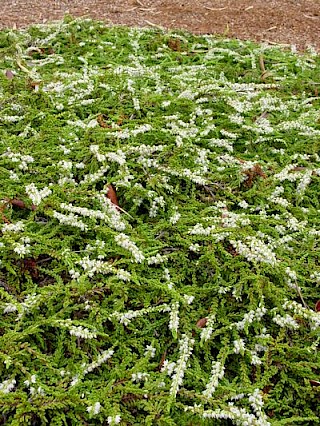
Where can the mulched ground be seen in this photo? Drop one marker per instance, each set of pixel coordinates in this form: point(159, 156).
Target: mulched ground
point(281, 21)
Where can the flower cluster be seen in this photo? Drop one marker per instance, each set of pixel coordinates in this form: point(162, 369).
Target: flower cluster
point(206, 332)
point(253, 315)
point(70, 219)
point(94, 409)
point(286, 321)
point(16, 157)
point(174, 318)
point(74, 330)
point(94, 266)
point(13, 227)
point(22, 248)
point(102, 358)
point(7, 386)
point(239, 346)
point(140, 377)
point(185, 351)
point(126, 317)
point(217, 374)
point(37, 195)
point(124, 241)
point(114, 420)
point(255, 250)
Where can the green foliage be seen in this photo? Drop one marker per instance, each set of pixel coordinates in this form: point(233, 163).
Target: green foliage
point(216, 168)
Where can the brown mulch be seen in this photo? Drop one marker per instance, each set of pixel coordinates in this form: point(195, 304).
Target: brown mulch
point(282, 21)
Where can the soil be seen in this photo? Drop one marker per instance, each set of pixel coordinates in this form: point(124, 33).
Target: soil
point(290, 22)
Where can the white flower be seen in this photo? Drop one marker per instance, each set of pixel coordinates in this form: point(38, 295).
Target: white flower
point(37, 195)
point(70, 219)
point(102, 358)
point(217, 373)
point(78, 331)
point(255, 250)
point(304, 182)
point(253, 315)
point(13, 227)
point(255, 360)
point(136, 104)
point(157, 259)
point(236, 118)
point(65, 165)
point(94, 409)
point(286, 321)
point(118, 157)
point(243, 204)
point(187, 94)
point(74, 380)
point(188, 299)
point(199, 229)
point(10, 307)
point(291, 274)
point(165, 104)
point(239, 346)
point(21, 249)
point(13, 176)
point(114, 420)
point(256, 401)
point(7, 385)
point(174, 218)
point(150, 351)
point(194, 247)
point(140, 377)
point(83, 332)
point(168, 367)
point(156, 203)
point(174, 317)
point(185, 351)
point(124, 241)
point(228, 134)
point(206, 332)
point(123, 275)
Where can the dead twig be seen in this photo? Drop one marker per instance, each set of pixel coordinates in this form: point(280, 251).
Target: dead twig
point(271, 28)
point(265, 74)
point(215, 9)
point(263, 115)
point(162, 360)
point(261, 63)
point(301, 297)
point(310, 17)
point(154, 25)
point(131, 10)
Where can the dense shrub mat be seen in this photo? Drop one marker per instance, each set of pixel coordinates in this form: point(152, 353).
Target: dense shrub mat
point(194, 302)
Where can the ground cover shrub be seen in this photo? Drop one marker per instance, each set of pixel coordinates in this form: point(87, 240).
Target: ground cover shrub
point(192, 301)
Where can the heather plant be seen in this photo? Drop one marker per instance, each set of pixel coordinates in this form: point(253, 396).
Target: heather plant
point(159, 231)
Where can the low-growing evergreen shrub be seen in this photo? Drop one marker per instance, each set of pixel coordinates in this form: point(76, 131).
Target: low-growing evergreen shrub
point(193, 301)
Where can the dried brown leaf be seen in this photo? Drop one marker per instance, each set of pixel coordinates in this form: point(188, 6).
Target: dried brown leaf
point(9, 74)
point(111, 194)
point(20, 204)
point(202, 322)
